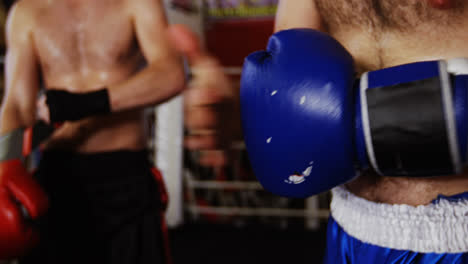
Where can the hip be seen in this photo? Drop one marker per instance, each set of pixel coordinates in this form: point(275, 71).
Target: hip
point(409, 191)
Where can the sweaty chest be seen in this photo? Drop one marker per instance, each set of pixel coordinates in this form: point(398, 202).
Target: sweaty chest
point(384, 33)
point(69, 38)
point(380, 15)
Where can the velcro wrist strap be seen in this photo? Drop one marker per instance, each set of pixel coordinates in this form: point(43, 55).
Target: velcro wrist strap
point(412, 116)
point(11, 145)
point(66, 106)
point(19, 143)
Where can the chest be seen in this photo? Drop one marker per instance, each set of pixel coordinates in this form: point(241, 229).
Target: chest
point(83, 31)
point(385, 15)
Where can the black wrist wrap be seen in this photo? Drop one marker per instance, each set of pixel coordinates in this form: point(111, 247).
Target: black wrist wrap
point(415, 119)
point(66, 106)
point(408, 129)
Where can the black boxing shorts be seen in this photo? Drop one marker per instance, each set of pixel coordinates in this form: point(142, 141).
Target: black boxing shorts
point(104, 208)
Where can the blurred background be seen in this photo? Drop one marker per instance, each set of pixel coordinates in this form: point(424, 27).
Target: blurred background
point(222, 214)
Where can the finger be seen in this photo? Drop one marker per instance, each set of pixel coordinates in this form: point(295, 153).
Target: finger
point(204, 95)
point(203, 142)
point(42, 110)
point(213, 158)
point(202, 118)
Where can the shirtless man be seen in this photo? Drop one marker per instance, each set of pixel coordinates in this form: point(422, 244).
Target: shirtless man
point(381, 34)
point(104, 203)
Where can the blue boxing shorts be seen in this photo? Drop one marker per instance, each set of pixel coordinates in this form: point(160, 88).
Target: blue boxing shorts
point(361, 231)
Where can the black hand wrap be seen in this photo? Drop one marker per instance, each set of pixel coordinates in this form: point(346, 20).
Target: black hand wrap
point(66, 106)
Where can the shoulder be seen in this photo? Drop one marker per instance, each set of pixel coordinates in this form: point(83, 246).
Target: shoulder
point(21, 15)
point(28, 7)
point(144, 5)
point(298, 14)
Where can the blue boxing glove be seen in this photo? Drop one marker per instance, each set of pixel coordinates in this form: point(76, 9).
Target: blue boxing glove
point(297, 106)
point(310, 126)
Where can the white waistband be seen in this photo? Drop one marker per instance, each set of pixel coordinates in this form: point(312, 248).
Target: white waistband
point(441, 227)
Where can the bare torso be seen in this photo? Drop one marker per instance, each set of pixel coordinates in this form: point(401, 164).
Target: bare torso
point(386, 33)
point(85, 45)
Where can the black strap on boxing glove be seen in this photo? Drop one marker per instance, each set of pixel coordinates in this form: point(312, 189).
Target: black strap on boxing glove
point(66, 106)
point(415, 119)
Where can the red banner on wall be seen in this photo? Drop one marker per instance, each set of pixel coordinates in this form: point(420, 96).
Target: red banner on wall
point(235, 28)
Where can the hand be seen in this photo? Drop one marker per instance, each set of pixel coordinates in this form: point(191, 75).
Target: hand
point(42, 111)
point(212, 116)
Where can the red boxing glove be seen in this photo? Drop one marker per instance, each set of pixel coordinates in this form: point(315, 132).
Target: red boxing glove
point(22, 201)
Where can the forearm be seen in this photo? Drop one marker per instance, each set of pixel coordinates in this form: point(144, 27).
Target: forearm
point(156, 83)
point(13, 117)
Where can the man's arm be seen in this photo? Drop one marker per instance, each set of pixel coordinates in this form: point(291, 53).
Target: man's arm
point(24, 201)
point(21, 73)
point(212, 115)
point(298, 14)
point(163, 77)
